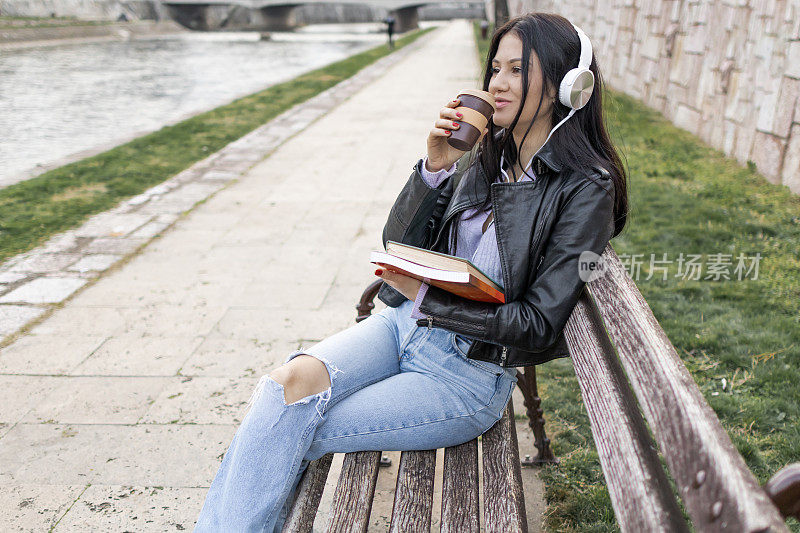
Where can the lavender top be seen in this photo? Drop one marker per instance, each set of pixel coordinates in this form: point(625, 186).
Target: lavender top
point(472, 243)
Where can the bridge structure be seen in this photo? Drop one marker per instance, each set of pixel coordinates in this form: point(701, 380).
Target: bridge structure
point(278, 15)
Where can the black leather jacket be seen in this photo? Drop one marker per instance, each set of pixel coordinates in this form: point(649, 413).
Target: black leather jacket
point(542, 228)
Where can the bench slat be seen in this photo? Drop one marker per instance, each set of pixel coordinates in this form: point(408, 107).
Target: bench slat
point(504, 501)
point(413, 497)
point(309, 492)
point(352, 501)
point(460, 506)
point(717, 488)
point(639, 488)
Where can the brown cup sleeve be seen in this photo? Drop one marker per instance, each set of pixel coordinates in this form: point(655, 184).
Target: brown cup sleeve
point(464, 138)
point(478, 104)
point(473, 117)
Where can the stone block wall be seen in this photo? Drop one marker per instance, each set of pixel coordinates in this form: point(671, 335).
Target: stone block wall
point(725, 70)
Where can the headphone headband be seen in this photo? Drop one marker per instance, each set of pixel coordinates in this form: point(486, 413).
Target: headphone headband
point(578, 83)
point(586, 48)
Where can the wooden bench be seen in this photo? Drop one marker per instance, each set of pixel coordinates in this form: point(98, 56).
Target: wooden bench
point(504, 502)
point(627, 368)
point(717, 489)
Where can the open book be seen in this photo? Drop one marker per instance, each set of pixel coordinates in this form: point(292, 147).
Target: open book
point(447, 272)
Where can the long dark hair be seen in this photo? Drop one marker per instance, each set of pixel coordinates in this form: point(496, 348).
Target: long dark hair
point(582, 141)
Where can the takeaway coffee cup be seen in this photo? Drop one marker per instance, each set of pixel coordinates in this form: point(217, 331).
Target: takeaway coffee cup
point(477, 108)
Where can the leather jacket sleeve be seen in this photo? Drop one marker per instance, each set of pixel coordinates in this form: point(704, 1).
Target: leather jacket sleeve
point(534, 322)
point(417, 210)
point(416, 215)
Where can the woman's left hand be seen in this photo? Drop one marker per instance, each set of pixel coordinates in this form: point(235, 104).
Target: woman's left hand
point(405, 285)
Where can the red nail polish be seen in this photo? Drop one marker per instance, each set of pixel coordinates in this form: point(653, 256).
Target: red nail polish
point(447, 132)
point(455, 124)
point(459, 115)
point(378, 272)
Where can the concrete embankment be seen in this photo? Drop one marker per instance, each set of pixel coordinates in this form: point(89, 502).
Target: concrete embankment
point(25, 37)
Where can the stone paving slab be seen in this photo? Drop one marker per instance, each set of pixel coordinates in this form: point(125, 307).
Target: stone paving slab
point(35, 508)
point(11, 277)
point(94, 263)
point(201, 400)
point(134, 355)
point(20, 394)
point(237, 357)
point(533, 485)
point(100, 321)
point(309, 294)
point(112, 225)
point(134, 509)
point(14, 317)
point(170, 320)
point(44, 291)
point(46, 262)
point(165, 287)
point(48, 354)
point(268, 323)
point(115, 245)
point(98, 400)
point(145, 454)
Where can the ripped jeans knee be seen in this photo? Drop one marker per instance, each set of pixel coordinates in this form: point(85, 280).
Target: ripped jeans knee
point(322, 398)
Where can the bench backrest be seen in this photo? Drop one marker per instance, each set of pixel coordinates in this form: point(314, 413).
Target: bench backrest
point(621, 356)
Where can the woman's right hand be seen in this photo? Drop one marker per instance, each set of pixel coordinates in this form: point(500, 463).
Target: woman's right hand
point(440, 153)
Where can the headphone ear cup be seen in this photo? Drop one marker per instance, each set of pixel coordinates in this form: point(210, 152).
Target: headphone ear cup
point(565, 88)
point(576, 88)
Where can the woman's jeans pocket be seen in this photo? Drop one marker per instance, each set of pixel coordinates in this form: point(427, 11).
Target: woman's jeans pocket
point(461, 344)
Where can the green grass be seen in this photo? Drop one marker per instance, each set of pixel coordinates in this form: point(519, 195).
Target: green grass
point(483, 44)
point(688, 198)
point(33, 210)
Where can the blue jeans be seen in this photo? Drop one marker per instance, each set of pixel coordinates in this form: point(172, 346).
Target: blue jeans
point(394, 386)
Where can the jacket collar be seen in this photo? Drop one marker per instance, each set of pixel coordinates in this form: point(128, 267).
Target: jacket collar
point(545, 159)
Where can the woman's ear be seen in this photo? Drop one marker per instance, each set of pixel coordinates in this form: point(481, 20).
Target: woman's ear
point(552, 93)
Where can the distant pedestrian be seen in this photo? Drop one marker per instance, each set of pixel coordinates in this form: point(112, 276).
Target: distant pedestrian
point(484, 29)
point(389, 21)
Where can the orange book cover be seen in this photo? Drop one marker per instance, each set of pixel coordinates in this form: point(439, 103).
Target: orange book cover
point(460, 282)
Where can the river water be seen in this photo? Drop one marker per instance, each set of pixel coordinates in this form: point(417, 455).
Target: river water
point(58, 103)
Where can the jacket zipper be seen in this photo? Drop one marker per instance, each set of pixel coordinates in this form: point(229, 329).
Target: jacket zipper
point(500, 251)
point(538, 230)
point(443, 322)
point(456, 210)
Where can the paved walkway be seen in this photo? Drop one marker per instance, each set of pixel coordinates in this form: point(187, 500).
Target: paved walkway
point(115, 410)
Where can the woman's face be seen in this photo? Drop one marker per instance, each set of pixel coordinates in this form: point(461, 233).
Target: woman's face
point(506, 85)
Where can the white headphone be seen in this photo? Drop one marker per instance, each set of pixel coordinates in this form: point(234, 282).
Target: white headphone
point(574, 91)
point(576, 87)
